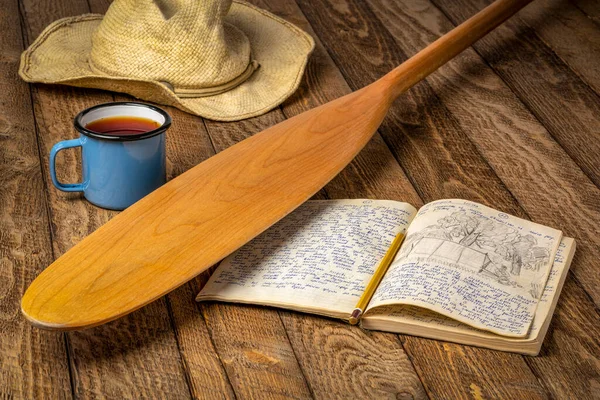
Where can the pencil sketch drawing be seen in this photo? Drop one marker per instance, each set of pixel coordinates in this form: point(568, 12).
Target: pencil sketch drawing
point(482, 245)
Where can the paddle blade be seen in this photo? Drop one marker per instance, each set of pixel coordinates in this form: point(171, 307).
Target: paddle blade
point(203, 215)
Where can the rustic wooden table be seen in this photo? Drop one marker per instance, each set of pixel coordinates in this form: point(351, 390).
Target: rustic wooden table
point(513, 122)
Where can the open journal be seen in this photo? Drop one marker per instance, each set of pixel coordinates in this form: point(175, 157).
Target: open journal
point(465, 273)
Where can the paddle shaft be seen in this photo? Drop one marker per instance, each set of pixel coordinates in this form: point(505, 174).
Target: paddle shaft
point(448, 46)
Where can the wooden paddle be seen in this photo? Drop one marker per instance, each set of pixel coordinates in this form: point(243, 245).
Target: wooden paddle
point(203, 215)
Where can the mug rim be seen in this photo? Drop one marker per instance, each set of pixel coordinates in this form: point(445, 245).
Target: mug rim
point(128, 138)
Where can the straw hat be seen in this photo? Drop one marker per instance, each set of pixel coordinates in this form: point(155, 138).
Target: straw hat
point(211, 58)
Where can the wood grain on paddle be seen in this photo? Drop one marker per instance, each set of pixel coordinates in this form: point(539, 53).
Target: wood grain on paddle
point(251, 354)
point(235, 340)
point(118, 373)
point(332, 359)
point(195, 220)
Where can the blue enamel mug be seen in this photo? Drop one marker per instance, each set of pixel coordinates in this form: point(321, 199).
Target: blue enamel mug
point(117, 169)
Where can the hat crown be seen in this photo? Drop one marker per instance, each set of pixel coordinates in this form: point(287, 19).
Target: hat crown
point(194, 48)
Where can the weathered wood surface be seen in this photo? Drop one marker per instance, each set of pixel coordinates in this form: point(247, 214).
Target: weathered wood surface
point(139, 354)
point(445, 165)
point(490, 126)
point(590, 7)
point(571, 34)
point(467, 80)
point(33, 364)
point(539, 78)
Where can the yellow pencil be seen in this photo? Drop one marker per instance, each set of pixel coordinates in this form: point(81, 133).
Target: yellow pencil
point(376, 279)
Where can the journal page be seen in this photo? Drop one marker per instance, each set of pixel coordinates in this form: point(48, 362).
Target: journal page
point(433, 322)
point(320, 257)
point(472, 263)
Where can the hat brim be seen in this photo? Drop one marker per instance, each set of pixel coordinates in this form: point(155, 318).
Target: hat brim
point(60, 56)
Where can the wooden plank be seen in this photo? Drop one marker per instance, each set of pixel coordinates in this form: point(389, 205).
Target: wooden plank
point(255, 351)
point(590, 7)
point(203, 366)
point(387, 191)
point(350, 361)
point(443, 163)
point(187, 145)
point(256, 375)
point(454, 376)
point(137, 355)
point(571, 34)
point(33, 363)
point(517, 146)
point(563, 103)
point(260, 362)
point(569, 363)
point(223, 136)
point(359, 364)
point(99, 6)
point(495, 128)
point(556, 194)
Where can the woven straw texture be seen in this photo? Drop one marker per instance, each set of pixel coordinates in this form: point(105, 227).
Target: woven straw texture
point(206, 48)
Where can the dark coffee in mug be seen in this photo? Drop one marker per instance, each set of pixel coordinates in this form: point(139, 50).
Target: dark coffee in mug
point(123, 125)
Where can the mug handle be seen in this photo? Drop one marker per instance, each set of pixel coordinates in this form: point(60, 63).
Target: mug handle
point(65, 187)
